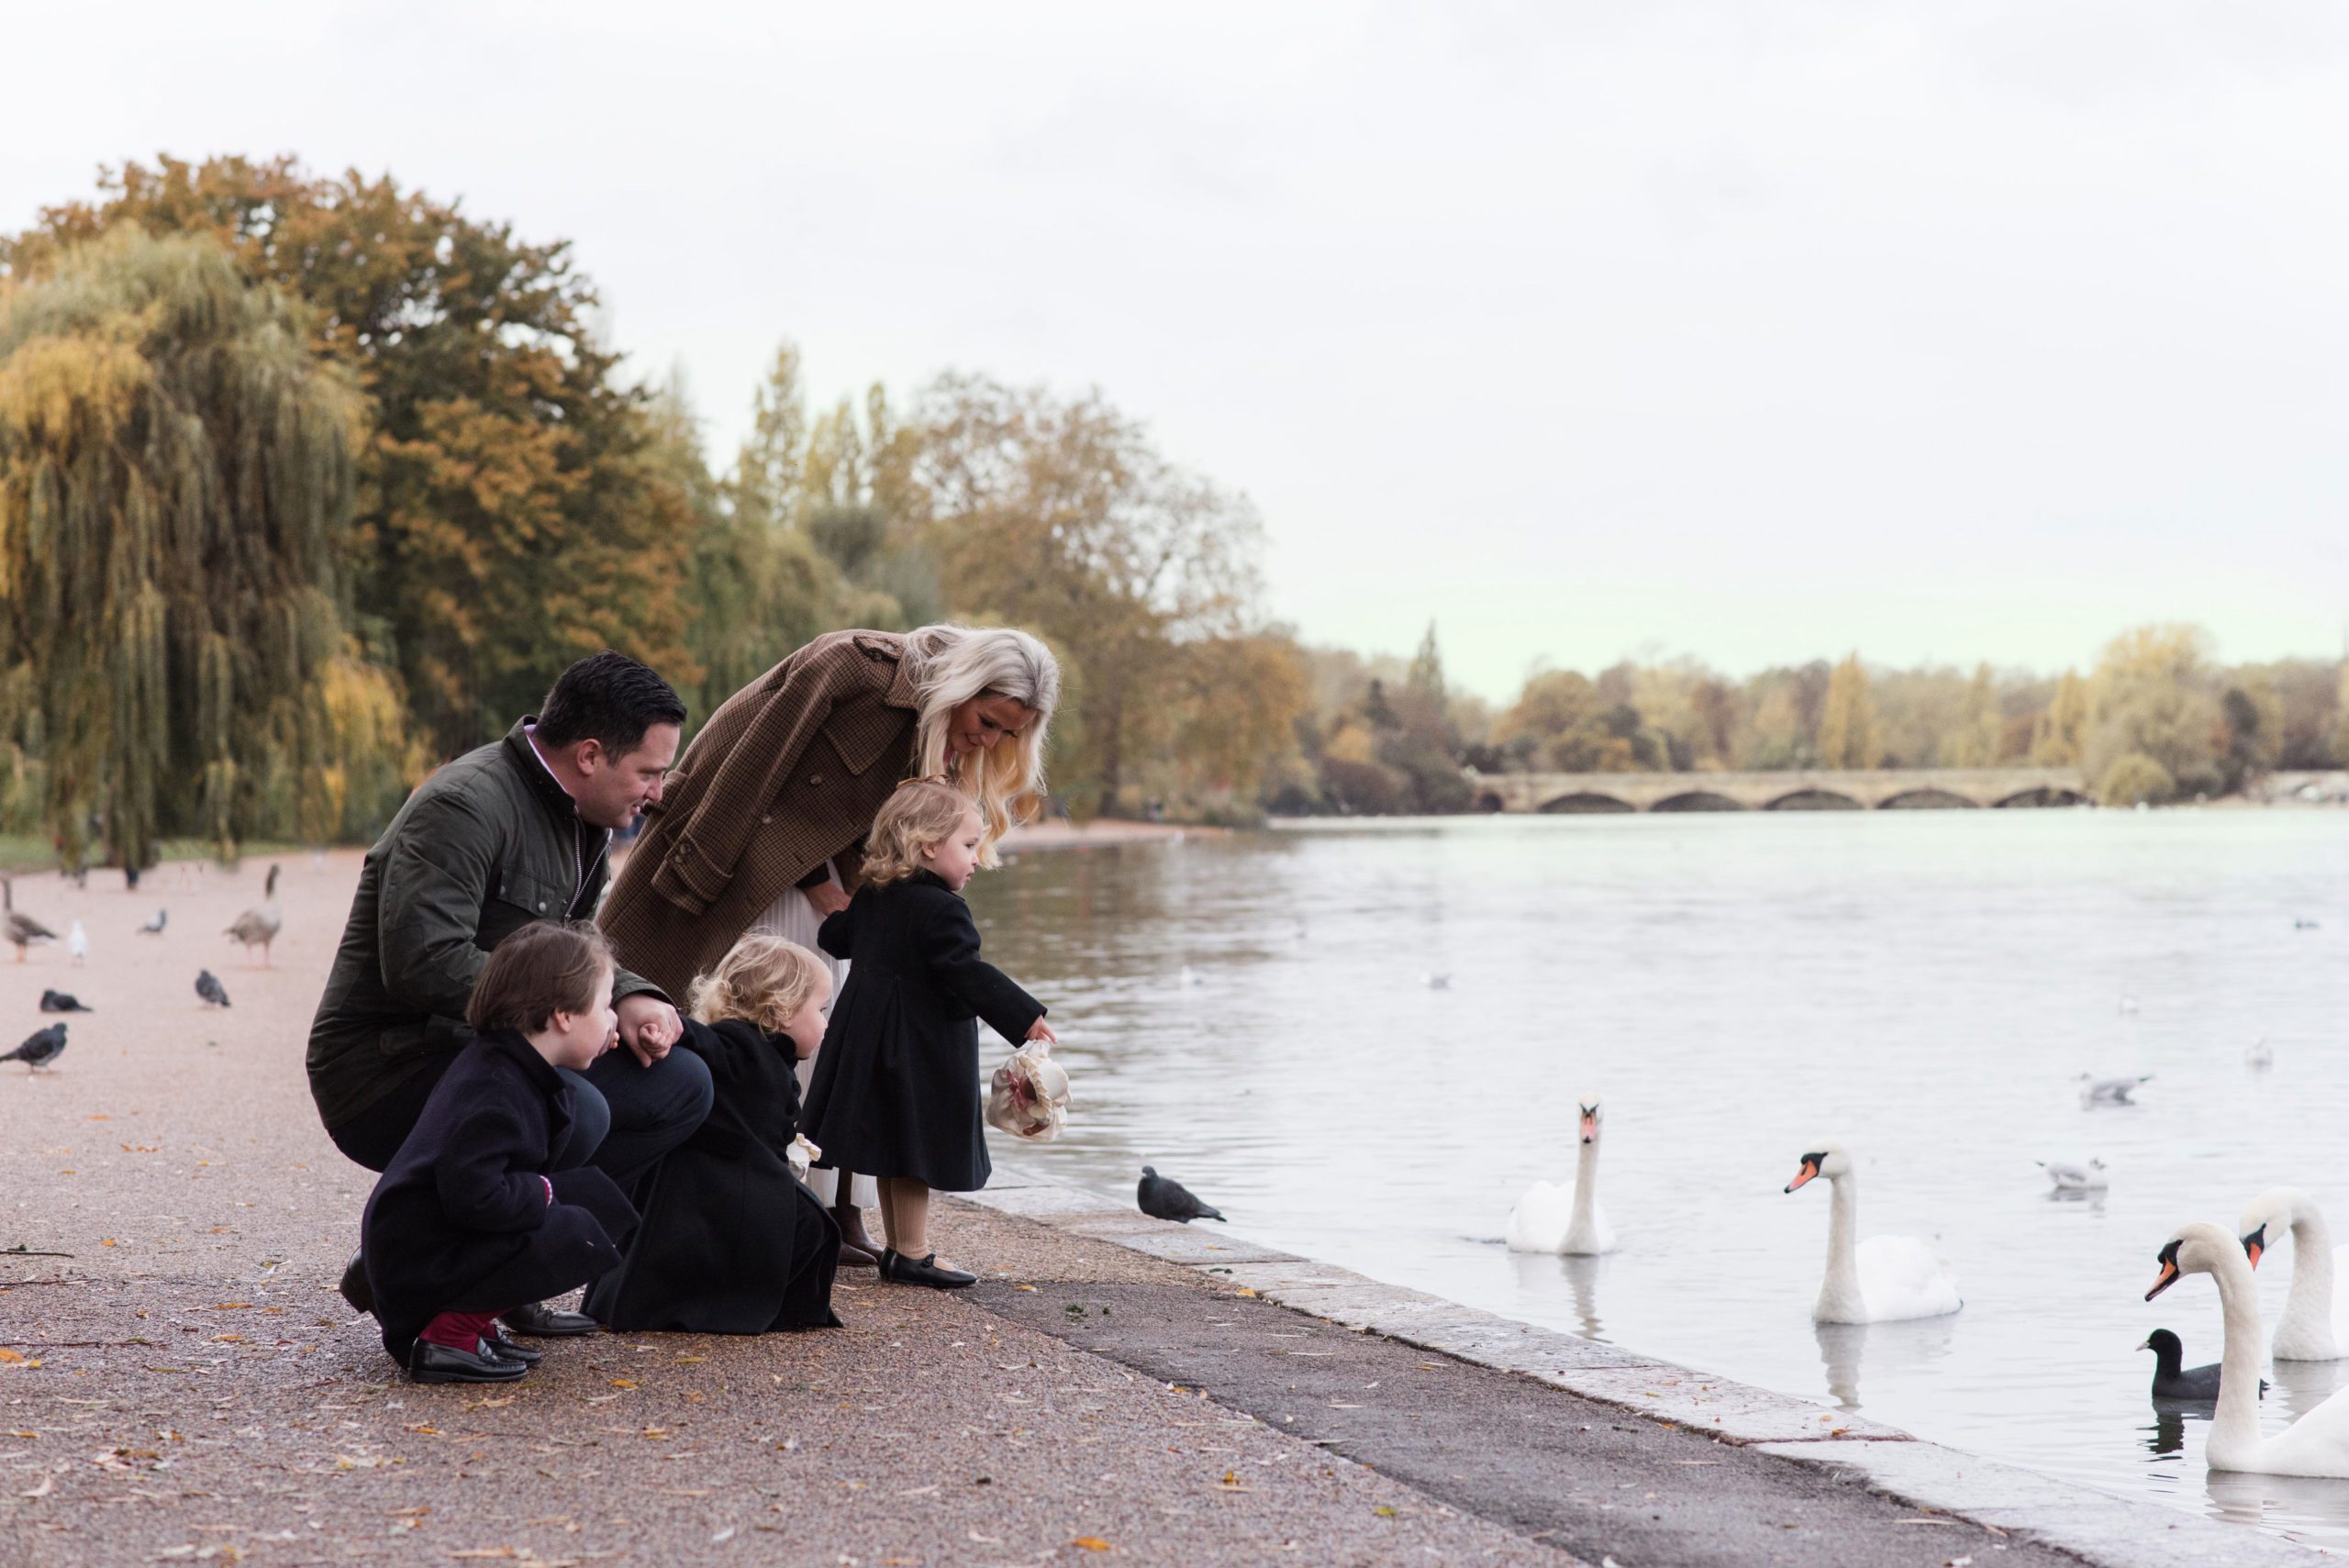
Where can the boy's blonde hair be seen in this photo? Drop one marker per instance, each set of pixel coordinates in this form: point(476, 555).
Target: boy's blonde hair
point(762, 980)
point(922, 814)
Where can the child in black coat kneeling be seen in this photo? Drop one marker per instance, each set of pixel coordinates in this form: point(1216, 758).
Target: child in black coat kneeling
point(468, 1220)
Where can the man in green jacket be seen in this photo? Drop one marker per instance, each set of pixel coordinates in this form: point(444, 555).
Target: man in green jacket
point(513, 832)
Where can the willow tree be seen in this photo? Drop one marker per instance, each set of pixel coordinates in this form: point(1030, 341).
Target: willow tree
point(175, 482)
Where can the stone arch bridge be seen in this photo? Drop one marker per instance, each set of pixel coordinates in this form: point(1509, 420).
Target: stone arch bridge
point(1816, 789)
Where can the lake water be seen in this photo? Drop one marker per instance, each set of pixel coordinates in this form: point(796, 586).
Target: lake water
point(1252, 1015)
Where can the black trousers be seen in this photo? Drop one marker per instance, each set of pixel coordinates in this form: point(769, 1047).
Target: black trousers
point(624, 1115)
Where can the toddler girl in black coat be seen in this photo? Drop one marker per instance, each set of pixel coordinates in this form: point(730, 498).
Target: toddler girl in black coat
point(733, 1242)
point(468, 1221)
point(897, 1087)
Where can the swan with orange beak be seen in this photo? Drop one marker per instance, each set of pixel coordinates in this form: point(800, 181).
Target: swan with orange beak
point(2314, 1328)
point(1567, 1220)
point(1884, 1279)
point(2318, 1443)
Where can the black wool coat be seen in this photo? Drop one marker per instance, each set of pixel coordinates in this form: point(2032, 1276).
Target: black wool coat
point(896, 1086)
point(460, 1220)
point(731, 1242)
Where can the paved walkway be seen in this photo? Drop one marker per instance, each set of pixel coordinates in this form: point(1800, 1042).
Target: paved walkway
point(186, 1386)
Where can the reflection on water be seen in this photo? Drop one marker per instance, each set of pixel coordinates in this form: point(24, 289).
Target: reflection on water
point(1923, 986)
point(2167, 1434)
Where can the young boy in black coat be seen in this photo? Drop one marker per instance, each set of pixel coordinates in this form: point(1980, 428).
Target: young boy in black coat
point(468, 1220)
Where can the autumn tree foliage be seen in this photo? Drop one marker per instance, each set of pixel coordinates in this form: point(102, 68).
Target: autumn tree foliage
point(176, 483)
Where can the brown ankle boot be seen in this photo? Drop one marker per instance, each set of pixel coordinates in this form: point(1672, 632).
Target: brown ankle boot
point(858, 1251)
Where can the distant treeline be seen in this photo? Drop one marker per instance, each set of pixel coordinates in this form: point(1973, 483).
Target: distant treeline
point(2156, 720)
point(309, 484)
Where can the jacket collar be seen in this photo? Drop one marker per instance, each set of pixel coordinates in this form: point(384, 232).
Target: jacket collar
point(541, 1072)
point(890, 646)
point(933, 879)
point(524, 759)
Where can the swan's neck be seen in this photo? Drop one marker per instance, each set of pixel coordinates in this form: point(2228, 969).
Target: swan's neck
point(2234, 1427)
point(1839, 1295)
point(1586, 1188)
point(2310, 1298)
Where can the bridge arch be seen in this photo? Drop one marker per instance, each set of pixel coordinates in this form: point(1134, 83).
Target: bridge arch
point(2044, 795)
point(1698, 800)
point(1585, 801)
point(1814, 800)
point(1926, 799)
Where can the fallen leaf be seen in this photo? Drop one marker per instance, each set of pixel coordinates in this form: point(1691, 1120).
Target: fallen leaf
point(232, 1307)
point(103, 1241)
point(1029, 1287)
point(1091, 1543)
point(1243, 1290)
point(623, 1383)
point(689, 1360)
point(1383, 1512)
point(11, 1357)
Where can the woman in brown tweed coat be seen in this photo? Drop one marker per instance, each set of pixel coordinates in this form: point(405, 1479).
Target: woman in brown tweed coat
point(771, 802)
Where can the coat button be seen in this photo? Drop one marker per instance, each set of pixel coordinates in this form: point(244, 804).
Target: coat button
point(542, 906)
point(764, 818)
point(816, 781)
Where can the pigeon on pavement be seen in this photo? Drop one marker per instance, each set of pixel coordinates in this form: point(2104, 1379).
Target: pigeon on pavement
point(1162, 1199)
point(154, 927)
point(41, 1047)
point(208, 986)
point(62, 1002)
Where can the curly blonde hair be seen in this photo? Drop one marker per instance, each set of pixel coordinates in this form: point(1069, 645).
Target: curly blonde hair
point(922, 814)
point(762, 980)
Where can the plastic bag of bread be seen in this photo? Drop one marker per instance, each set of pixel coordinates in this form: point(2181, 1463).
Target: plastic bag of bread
point(1029, 1096)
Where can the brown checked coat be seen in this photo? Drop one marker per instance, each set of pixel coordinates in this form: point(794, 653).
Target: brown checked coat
point(786, 775)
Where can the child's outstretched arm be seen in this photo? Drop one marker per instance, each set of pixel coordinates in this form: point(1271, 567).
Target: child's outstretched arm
point(951, 945)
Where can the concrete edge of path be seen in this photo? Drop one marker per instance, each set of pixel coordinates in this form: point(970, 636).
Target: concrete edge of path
point(2095, 1526)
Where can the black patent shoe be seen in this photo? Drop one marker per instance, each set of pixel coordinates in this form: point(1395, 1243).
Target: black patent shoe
point(506, 1350)
point(545, 1322)
point(923, 1270)
point(354, 1284)
point(429, 1363)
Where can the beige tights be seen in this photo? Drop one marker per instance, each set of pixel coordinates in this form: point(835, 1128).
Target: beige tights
point(904, 1216)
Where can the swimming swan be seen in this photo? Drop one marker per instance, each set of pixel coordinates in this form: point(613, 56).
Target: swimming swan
point(2318, 1443)
point(2312, 1328)
point(1566, 1219)
point(1884, 1279)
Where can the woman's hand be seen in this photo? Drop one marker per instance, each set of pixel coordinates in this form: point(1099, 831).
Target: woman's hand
point(828, 899)
point(1042, 1030)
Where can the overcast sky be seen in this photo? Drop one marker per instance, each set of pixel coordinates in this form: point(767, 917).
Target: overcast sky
point(1942, 331)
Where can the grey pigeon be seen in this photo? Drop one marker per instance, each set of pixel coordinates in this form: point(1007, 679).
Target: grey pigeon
point(154, 927)
point(59, 1002)
point(1162, 1199)
point(208, 986)
point(41, 1047)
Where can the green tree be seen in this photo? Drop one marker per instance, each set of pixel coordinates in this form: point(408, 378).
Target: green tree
point(176, 485)
point(514, 509)
point(1847, 726)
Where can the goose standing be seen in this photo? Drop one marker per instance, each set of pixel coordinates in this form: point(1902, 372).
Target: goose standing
point(23, 930)
point(2312, 1328)
point(259, 928)
point(2318, 1443)
point(1567, 1220)
point(1885, 1279)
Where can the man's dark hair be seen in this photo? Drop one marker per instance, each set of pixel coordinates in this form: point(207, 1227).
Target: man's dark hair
point(546, 967)
point(608, 697)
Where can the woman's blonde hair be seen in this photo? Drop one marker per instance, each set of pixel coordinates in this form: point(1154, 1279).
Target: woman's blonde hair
point(762, 980)
point(950, 665)
point(922, 814)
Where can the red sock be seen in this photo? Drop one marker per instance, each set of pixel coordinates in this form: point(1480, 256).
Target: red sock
point(459, 1330)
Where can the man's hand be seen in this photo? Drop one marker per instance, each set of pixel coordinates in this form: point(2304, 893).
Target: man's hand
point(649, 1025)
point(829, 899)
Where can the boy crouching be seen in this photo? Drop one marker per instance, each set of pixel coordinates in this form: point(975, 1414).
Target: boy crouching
point(469, 1220)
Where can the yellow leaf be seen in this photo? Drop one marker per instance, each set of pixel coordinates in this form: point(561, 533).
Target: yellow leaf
point(1015, 1287)
point(12, 1358)
point(1383, 1512)
point(232, 1306)
point(623, 1383)
point(1243, 1290)
point(103, 1241)
point(228, 1339)
point(1091, 1543)
point(1231, 1478)
point(690, 1360)
point(657, 1434)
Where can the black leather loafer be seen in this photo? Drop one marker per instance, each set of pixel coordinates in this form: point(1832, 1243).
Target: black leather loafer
point(354, 1284)
point(544, 1322)
point(429, 1363)
point(504, 1349)
point(923, 1270)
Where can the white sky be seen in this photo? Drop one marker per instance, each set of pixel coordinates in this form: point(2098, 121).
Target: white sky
point(1755, 331)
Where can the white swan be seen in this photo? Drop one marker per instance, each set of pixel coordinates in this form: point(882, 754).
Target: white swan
point(1566, 1219)
point(2314, 1328)
point(1884, 1279)
point(2316, 1444)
